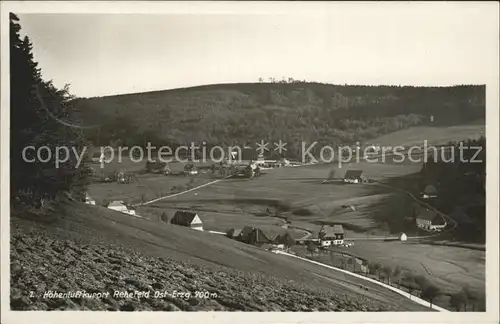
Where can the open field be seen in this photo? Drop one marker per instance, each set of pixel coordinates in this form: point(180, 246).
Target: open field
point(147, 187)
point(309, 203)
point(433, 135)
point(449, 268)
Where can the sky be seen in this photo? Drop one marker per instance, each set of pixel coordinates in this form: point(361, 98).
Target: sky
point(106, 54)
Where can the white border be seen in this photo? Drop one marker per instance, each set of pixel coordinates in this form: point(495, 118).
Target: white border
point(490, 10)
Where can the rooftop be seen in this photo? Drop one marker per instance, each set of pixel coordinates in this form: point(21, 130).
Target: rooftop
point(353, 174)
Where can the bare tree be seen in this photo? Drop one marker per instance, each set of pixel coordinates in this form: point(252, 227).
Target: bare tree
point(458, 299)
point(410, 282)
point(377, 267)
point(388, 272)
point(430, 292)
point(311, 248)
point(396, 274)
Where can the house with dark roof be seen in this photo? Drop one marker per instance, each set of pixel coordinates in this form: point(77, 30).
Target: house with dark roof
point(354, 176)
point(430, 220)
point(234, 233)
point(430, 191)
point(187, 219)
point(333, 236)
point(255, 236)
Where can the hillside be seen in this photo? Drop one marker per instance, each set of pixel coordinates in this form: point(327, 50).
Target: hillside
point(294, 112)
point(117, 252)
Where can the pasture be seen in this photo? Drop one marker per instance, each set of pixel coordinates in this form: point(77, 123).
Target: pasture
point(433, 135)
point(146, 187)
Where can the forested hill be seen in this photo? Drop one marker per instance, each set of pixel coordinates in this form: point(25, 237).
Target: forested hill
point(291, 111)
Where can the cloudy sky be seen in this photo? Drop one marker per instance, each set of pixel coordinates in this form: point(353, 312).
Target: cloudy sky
point(104, 54)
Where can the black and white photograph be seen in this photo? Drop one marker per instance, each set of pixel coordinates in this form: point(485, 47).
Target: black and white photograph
point(302, 161)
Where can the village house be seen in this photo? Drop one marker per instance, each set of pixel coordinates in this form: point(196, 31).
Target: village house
point(89, 200)
point(187, 219)
point(254, 236)
point(429, 192)
point(430, 220)
point(335, 236)
point(120, 206)
point(403, 237)
point(354, 176)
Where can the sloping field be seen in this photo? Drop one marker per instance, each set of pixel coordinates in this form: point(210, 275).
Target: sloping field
point(80, 230)
point(433, 135)
point(449, 268)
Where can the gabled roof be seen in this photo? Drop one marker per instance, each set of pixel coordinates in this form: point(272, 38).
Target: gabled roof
point(330, 232)
point(430, 190)
point(353, 174)
point(116, 203)
point(236, 232)
point(183, 217)
point(338, 229)
point(267, 235)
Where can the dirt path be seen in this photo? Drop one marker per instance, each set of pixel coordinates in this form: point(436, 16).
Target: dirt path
point(179, 193)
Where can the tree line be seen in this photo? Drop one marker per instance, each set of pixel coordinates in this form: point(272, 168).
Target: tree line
point(37, 113)
point(292, 111)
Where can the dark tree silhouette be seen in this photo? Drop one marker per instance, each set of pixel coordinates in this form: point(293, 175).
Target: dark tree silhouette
point(38, 111)
point(459, 299)
point(430, 292)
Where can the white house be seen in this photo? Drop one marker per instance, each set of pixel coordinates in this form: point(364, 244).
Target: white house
point(334, 237)
point(89, 200)
point(120, 206)
point(403, 237)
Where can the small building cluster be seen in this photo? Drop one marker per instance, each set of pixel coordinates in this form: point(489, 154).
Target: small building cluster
point(354, 176)
point(261, 237)
point(430, 220)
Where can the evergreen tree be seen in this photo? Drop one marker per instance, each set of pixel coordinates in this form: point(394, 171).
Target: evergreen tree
point(38, 110)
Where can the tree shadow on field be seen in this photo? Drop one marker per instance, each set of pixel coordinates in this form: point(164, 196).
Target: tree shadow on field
point(392, 213)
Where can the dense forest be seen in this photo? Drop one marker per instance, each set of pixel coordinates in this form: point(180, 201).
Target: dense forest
point(461, 186)
point(35, 108)
point(232, 114)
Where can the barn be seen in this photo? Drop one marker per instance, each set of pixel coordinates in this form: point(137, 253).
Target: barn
point(187, 219)
point(430, 220)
